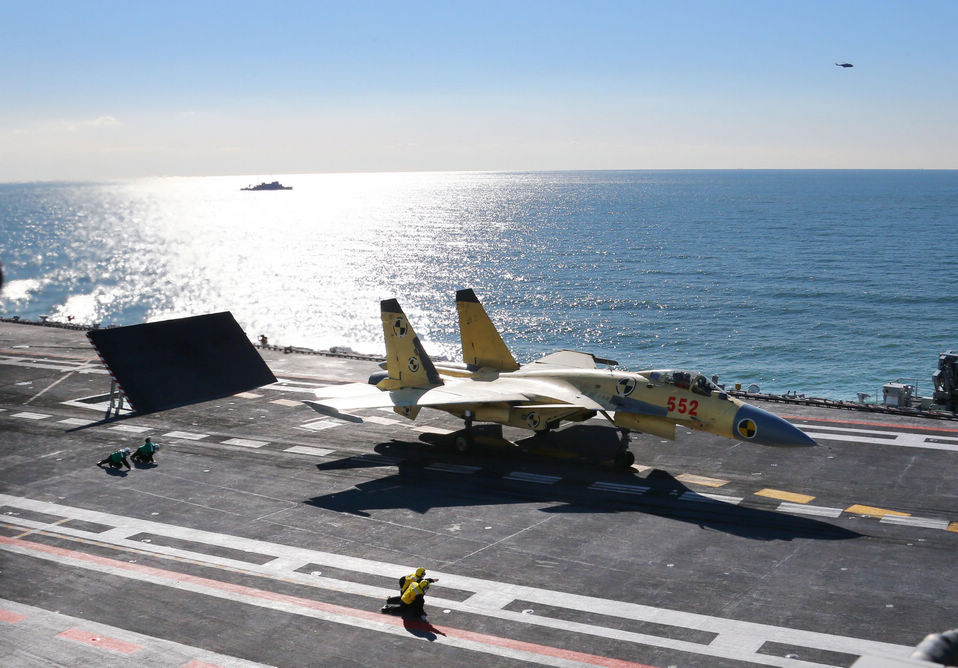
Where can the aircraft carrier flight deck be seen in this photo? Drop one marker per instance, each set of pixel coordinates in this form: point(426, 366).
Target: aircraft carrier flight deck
point(270, 535)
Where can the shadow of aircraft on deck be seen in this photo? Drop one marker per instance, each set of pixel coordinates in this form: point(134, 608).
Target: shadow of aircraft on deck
point(420, 483)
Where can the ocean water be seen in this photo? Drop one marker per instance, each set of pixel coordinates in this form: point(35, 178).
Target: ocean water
point(827, 283)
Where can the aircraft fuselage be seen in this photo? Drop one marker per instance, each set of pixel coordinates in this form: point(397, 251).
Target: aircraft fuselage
point(652, 401)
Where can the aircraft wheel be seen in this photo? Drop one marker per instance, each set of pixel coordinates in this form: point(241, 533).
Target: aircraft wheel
point(624, 460)
point(462, 443)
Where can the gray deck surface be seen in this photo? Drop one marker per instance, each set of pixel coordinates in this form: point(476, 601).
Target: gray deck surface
point(268, 534)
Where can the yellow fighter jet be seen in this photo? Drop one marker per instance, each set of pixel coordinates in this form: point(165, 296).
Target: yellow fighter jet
point(490, 386)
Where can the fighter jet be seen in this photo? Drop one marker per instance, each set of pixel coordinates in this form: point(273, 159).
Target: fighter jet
point(844, 65)
point(565, 386)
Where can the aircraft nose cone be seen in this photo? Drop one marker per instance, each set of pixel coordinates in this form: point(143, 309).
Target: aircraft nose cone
point(758, 426)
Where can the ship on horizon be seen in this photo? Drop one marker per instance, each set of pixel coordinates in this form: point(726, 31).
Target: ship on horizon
point(275, 185)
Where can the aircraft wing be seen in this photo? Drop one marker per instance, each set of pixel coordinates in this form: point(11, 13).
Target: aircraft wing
point(338, 401)
point(358, 396)
point(558, 391)
point(567, 359)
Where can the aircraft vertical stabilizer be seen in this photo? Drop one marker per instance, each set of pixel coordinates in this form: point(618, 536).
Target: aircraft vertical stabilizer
point(482, 346)
point(407, 363)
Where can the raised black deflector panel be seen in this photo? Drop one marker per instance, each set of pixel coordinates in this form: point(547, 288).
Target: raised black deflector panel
point(162, 365)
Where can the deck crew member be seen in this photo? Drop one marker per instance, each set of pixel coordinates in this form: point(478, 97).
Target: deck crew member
point(116, 459)
point(411, 602)
point(418, 576)
point(144, 453)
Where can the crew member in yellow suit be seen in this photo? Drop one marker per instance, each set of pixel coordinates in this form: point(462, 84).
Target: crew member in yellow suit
point(411, 602)
point(418, 576)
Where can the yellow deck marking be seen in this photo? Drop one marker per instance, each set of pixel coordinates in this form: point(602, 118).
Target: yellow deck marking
point(701, 480)
point(873, 512)
point(784, 496)
point(38, 530)
point(953, 527)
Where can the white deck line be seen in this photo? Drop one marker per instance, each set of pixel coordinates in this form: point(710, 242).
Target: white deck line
point(901, 440)
point(734, 628)
point(537, 478)
point(185, 435)
point(804, 509)
point(32, 641)
point(923, 522)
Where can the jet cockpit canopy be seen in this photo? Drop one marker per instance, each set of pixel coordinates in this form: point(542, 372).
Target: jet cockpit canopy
point(686, 380)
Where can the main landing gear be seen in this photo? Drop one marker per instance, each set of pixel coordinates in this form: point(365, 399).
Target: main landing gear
point(624, 458)
point(463, 441)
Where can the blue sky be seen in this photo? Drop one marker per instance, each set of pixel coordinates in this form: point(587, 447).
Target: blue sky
point(96, 90)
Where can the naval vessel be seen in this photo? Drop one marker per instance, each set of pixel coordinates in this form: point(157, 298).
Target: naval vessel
point(272, 185)
point(268, 535)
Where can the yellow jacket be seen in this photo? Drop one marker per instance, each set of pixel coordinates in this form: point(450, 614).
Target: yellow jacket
point(413, 591)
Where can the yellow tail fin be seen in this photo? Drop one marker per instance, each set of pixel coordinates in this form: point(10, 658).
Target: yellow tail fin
point(407, 363)
point(482, 346)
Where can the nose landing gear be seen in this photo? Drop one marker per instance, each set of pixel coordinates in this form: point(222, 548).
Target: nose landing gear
point(623, 459)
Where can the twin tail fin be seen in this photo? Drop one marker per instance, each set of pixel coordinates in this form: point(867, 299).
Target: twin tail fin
point(407, 364)
point(482, 346)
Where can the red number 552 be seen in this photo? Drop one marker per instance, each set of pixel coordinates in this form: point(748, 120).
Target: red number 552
point(683, 406)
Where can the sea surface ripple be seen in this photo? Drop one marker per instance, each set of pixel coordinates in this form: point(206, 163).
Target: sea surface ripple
point(828, 283)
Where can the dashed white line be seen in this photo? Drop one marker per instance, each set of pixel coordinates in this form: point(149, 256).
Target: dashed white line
point(803, 509)
point(130, 428)
point(375, 419)
point(31, 416)
point(924, 522)
point(537, 478)
point(379, 460)
point(319, 425)
point(306, 450)
point(77, 422)
point(246, 443)
point(702, 497)
point(453, 468)
point(426, 429)
point(294, 386)
point(289, 403)
point(187, 435)
point(619, 487)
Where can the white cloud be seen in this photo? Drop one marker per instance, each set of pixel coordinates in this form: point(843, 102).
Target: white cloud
point(101, 122)
point(65, 126)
